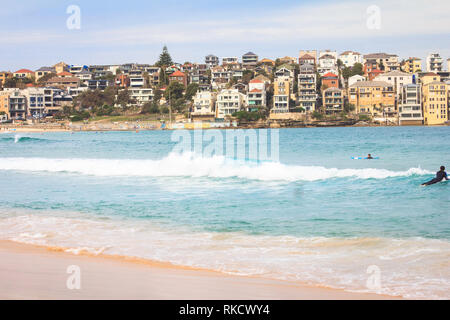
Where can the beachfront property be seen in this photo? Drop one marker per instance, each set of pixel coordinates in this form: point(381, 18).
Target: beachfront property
point(385, 61)
point(434, 62)
point(435, 100)
point(410, 105)
point(204, 104)
point(281, 94)
point(256, 96)
point(396, 78)
point(141, 96)
point(307, 88)
point(333, 100)
point(374, 98)
point(228, 102)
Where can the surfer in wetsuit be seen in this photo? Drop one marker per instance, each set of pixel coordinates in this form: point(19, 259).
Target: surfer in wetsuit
point(369, 157)
point(440, 175)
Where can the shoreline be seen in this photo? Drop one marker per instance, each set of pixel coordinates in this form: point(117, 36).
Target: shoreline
point(37, 272)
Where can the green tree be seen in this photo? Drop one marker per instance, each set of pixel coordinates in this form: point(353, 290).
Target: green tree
point(46, 77)
point(174, 91)
point(164, 58)
point(123, 98)
point(191, 91)
point(357, 69)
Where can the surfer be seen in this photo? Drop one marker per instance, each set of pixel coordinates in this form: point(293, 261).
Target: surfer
point(369, 157)
point(440, 175)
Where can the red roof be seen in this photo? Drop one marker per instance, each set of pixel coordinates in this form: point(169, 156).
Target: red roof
point(255, 81)
point(64, 73)
point(256, 90)
point(330, 75)
point(376, 71)
point(29, 85)
point(177, 74)
point(24, 71)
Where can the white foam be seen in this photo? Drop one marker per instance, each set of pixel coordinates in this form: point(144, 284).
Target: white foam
point(190, 165)
point(413, 267)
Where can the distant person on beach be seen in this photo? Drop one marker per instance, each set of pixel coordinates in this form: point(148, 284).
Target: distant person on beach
point(369, 157)
point(440, 175)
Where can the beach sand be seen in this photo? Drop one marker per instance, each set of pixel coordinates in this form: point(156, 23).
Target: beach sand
point(30, 272)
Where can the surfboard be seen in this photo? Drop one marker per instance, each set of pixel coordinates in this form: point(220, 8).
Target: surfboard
point(364, 158)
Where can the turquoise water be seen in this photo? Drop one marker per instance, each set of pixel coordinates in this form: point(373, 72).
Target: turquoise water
point(316, 216)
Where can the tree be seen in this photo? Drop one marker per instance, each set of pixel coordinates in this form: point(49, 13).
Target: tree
point(158, 95)
point(357, 69)
point(191, 91)
point(123, 98)
point(150, 107)
point(164, 58)
point(46, 77)
point(174, 91)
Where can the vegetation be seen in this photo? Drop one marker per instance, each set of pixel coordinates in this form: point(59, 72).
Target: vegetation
point(249, 116)
point(357, 69)
point(364, 117)
point(165, 59)
point(317, 115)
point(191, 91)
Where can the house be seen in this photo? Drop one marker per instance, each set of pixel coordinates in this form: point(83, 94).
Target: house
point(64, 74)
point(281, 94)
point(204, 105)
point(327, 62)
point(333, 100)
point(256, 96)
point(287, 60)
point(137, 79)
point(355, 78)
point(307, 87)
point(201, 79)
point(228, 102)
point(77, 69)
point(307, 56)
point(84, 76)
point(63, 82)
point(265, 64)
point(220, 77)
point(241, 87)
point(264, 79)
point(141, 96)
point(249, 59)
point(330, 80)
point(396, 78)
point(349, 58)
point(178, 76)
point(410, 106)
point(61, 67)
point(386, 62)
point(39, 73)
point(412, 65)
point(428, 77)
point(434, 62)
point(285, 70)
point(376, 98)
point(435, 102)
point(23, 73)
point(211, 61)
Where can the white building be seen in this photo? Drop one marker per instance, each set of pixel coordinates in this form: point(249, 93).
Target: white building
point(410, 107)
point(204, 103)
point(37, 100)
point(349, 58)
point(327, 63)
point(434, 62)
point(228, 102)
point(141, 95)
point(256, 96)
point(398, 79)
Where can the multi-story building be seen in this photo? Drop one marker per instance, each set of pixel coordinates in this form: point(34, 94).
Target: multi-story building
point(396, 78)
point(355, 78)
point(412, 65)
point(228, 60)
point(307, 87)
point(204, 104)
point(211, 61)
point(137, 79)
point(37, 100)
point(61, 67)
point(386, 62)
point(410, 106)
point(141, 96)
point(220, 77)
point(98, 84)
point(228, 102)
point(376, 98)
point(3, 76)
point(281, 94)
point(435, 102)
point(179, 77)
point(327, 62)
point(64, 82)
point(330, 80)
point(15, 102)
point(256, 96)
point(349, 58)
point(434, 62)
point(333, 100)
point(249, 59)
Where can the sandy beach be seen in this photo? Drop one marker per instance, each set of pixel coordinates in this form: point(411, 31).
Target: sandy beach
point(30, 272)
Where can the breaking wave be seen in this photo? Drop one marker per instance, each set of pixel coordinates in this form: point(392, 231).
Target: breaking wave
point(191, 165)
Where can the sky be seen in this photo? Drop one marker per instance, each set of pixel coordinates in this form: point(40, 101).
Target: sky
point(36, 33)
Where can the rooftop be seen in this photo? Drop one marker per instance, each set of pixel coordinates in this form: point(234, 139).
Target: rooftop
point(370, 84)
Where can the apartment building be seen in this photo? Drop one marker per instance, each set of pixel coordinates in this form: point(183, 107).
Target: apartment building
point(281, 94)
point(249, 59)
point(412, 65)
point(211, 61)
point(333, 100)
point(256, 96)
point(307, 57)
point(330, 80)
point(386, 62)
point(410, 106)
point(204, 104)
point(349, 58)
point(228, 102)
point(38, 100)
point(14, 102)
point(307, 87)
point(141, 96)
point(434, 62)
point(435, 102)
point(376, 98)
point(396, 78)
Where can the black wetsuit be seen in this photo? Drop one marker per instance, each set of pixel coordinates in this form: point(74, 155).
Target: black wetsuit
point(440, 175)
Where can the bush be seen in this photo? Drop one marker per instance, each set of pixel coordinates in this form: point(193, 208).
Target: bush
point(249, 116)
point(364, 117)
point(317, 115)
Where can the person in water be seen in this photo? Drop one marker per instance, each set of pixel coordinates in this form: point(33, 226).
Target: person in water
point(369, 157)
point(440, 175)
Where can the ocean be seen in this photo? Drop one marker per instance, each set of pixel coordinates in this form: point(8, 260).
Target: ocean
point(312, 214)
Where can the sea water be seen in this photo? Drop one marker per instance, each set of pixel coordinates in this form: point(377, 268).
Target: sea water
point(315, 216)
